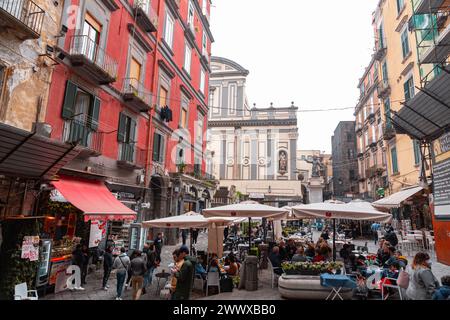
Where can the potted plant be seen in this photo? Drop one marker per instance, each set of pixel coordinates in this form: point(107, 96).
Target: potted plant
point(311, 268)
point(181, 167)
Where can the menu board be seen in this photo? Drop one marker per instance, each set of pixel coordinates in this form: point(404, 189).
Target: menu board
point(98, 232)
point(442, 188)
point(30, 248)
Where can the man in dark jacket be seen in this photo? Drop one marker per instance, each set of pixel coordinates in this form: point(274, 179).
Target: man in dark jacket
point(107, 266)
point(138, 269)
point(391, 237)
point(150, 259)
point(185, 276)
point(158, 242)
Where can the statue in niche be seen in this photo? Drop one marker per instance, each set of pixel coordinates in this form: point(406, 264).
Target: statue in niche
point(282, 162)
point(318, 167)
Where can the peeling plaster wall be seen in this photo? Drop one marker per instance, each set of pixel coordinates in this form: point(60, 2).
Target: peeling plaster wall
point(27, 75)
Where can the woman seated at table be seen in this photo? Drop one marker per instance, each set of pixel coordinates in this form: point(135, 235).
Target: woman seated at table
point(310, 251)
point(199, 269)
point(213, 265)
point(390, 255)
point(401, 259)
point(231, 267)
point(299, 255)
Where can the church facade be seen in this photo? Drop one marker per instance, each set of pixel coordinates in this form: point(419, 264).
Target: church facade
point(252, 151)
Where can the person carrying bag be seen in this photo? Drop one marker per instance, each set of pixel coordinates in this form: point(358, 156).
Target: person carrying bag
point(121, 266)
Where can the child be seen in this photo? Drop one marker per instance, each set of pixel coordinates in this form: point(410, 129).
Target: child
point(443, 293)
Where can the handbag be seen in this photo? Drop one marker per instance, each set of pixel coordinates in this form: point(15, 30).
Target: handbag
point(403, 279)
point(226, 284)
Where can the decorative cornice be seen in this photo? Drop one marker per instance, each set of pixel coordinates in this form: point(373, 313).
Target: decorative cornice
point(186, 91)
point(162, 64)
point(110, 4)
point(139, 38)
point(252, 123)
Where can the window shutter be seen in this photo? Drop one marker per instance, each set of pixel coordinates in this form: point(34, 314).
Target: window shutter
point(95, 114)
point(122, 127)
point(132, 131)
point(406, 89)
point(69, 100)
point(156, 147)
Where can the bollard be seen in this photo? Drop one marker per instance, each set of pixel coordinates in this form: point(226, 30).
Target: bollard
point(251, 273)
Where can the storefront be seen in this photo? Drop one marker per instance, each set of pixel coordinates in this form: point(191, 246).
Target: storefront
point(78, 212)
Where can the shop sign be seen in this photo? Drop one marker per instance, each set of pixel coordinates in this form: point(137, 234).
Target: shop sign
point(30, 248)
point(125, 195)
point(97, 233)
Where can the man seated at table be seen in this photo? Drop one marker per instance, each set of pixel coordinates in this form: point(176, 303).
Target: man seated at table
point(310, 251)
point(299, 255)
point(390, 255)
point(275, 259)
point(291, 249)
point(283, 251)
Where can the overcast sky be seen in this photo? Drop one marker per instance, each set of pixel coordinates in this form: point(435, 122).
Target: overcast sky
point(309, 52)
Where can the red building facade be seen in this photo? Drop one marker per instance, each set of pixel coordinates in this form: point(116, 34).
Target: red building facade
point(131, 87)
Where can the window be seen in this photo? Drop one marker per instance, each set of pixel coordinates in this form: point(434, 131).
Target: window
point(366, 138)
point(204, 6)
point(82, 111)
point(190, 17)
point(158, 148)
point(361, 146)
point(162, 96)
point(168, 30)
point(205, 44)
point(187, 59)
point(202, 81)
point(408, 87)
point(349, 137)
point(215, 105)
point(400, 5)
point(387, 112)
point(135, 73)
point(184, 113)
point(405, 43)
point(91, 30)
point(199, 135)
point(232, 98)
point(417, 155)
point(394, 160)
point(384, 71)
point(381, 37)
point(127, 129)
point(365, 112)
point(374, 134)
point(2, 80)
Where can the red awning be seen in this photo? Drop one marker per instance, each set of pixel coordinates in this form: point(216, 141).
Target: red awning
point(93, 198)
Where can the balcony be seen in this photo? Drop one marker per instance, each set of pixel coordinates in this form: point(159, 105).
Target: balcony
point(427, 6)
point(358, 128)
point(81, 133)
point(360, 154)
point(135, 95)
point(373, 143)
point(388, 132)
point(380, 50)
point(131, 157)
point(146, 17)
point(196, 172)
point(374, 171)
point(91, 61)
point(371, 116)
point(23, 16)
point(384, 89)
point(190, 31)
point(436, 50)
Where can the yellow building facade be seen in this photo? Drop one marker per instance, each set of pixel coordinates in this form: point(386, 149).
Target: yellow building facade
point(399, 75)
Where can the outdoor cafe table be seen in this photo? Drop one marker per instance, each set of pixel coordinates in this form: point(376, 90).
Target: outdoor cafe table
point(336, 282)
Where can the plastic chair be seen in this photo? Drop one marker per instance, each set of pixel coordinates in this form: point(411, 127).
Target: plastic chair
point(392, 285)
point(21, 292)
point(212, 280)
point(431, 243)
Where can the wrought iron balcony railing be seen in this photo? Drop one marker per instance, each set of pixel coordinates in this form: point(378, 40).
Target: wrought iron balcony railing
point(24, 15)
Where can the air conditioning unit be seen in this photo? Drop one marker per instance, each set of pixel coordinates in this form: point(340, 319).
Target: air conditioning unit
point(43, 129)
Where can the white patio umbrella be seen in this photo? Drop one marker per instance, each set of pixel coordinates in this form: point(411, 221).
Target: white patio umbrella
point(247, 209)
point(355, 210)
point(191, 220)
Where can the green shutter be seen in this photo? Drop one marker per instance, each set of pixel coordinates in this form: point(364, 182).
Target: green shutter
point(394, 160)
point(406, 89)
point(69, 100)
point(156, 147)
point(417, 154)
point(132, 137)
point(95, 113)
point(122, 127)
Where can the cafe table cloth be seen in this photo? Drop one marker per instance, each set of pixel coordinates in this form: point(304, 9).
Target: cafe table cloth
point(336, 281)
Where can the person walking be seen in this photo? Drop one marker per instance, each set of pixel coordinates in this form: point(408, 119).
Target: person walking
point(194, 235)
point(375, 227)
point(422, 282)
point(184, 234)
point(107, 266)
point(150, 259)
point(122, 265)
point(158, 242)
point(184, 275)
point(85, 263)
point(138, 269)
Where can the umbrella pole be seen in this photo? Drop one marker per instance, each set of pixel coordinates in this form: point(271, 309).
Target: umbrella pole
point(334, 239)
point(192, 245)
point(249, 234)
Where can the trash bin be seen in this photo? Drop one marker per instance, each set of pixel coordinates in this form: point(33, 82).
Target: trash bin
point(251, 273)
point(264, 254)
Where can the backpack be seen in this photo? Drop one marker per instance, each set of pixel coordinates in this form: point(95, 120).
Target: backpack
point(403, 279)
